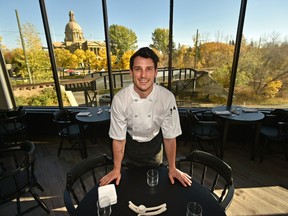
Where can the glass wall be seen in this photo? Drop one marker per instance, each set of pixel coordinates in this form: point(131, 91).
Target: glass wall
point(262, 71)
point(204, 34)
point(23, 47)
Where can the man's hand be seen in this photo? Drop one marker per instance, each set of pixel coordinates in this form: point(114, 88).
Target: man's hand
point(114, 174)
point(182, 177)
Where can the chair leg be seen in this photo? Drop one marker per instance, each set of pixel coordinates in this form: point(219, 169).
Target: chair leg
point(37, 185)
point(18, 206)
point(39, 201)
point(262, 150)
point(285, 149)
point(60, 146)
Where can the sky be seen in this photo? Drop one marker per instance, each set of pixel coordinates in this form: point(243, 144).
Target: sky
point(214, 19)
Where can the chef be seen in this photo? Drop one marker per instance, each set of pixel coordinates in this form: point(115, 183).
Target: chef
point(144, 116)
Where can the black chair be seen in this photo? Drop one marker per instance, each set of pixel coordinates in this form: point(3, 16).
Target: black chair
point(17, 175)
point(275, 130)
point(84, 176)
point(13, 126)
point(68, 129)
point(211, 172)
point(203, 130)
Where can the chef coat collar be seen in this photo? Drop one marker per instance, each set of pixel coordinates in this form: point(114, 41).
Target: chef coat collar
point(135, 95)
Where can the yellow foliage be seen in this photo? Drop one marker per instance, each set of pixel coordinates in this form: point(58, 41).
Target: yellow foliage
point(272, 88)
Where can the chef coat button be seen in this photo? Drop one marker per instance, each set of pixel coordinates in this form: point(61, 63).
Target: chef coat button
point(149, 116)
point(150, 100)
point(136, 116)
point(136, 100)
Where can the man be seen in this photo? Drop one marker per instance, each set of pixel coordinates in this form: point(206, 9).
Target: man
point(143, 115)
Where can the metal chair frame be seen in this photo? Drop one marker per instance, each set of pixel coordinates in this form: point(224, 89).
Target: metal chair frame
point(211, 172)
point(84, 176)
point(18, 177)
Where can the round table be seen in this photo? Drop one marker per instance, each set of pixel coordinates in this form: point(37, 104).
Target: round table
point(97, 115)
point(133, 187)
point(239, 115)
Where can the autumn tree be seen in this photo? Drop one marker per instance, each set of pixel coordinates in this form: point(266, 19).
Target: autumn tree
point(265, 67)
point(63, 59)
point(125, 60)
point(122, 39)
point(219, 57)
point(90, 59)
point(81, 57)
point(100, 62)
point(38, 59)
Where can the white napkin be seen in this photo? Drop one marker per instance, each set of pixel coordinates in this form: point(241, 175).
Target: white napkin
point(109, 191)
point(84, 114)
point(224, 112)
point(249, 110)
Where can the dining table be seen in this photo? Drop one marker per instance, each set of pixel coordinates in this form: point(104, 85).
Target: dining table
point(133, 187)
point(242, 116)
point(91, 116)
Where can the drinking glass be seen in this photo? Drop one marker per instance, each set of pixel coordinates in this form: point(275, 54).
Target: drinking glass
point(193, 209)
point(104, 206)
point(152, 177)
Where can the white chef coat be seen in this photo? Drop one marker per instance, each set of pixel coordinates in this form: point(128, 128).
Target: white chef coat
point(142, 118)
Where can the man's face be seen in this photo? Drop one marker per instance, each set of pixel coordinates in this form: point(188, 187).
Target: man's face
point(143, 74)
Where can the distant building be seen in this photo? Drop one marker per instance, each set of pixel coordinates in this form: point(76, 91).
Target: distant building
point(74, 38)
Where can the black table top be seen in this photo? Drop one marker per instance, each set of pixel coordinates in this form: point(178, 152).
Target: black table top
point(133, 187)
point(96, 116)
point(242, 114)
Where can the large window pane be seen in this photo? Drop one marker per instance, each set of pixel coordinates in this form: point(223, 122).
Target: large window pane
point(22, 43)
point(262, 72)
point(204, 36)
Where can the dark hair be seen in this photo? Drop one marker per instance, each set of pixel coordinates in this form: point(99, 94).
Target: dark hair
point(145, 52)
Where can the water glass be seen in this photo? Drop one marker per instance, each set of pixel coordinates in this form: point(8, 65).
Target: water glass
point(104, 206)
point(193, 209)
point(152, 177)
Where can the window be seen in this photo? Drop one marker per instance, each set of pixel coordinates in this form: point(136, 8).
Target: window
point(204, 34)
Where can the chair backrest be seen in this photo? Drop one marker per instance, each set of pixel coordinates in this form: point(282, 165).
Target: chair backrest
point(278, 119)
point(13, 125)
point(17, 170)
point(63, 119)
point(211, 172)
point(203, 126)
point(83, 177)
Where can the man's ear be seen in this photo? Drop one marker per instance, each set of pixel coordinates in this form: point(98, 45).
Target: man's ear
point(156, 72)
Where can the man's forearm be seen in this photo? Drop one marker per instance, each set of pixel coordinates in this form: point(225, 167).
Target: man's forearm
point(118, 153)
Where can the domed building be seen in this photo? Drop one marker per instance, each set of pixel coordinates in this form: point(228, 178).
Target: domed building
point(74, 38)
point(73, 31)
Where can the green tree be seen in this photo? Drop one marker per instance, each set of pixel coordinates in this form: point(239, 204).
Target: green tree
point(122, 39)
point(38, 59)
point(160, 40)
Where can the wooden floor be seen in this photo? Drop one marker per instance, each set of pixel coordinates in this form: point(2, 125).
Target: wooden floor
point(261, 188)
